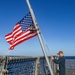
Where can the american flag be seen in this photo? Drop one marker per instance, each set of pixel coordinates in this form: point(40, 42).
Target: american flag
point(21, 32)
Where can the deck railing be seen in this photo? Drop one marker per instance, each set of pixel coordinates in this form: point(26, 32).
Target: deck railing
point(21, 65)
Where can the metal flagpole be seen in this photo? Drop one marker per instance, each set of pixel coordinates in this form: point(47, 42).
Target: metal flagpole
point(39, 36)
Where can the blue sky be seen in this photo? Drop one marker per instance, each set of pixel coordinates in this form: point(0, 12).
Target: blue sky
point(56, 19)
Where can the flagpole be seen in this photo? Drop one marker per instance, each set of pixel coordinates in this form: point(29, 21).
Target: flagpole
point(39, 36)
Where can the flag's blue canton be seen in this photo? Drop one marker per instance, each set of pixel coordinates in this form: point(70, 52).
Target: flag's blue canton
point(26, 22)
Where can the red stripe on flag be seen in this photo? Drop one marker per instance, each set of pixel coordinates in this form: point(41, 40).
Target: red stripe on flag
point(21, 40)
point(17, 36)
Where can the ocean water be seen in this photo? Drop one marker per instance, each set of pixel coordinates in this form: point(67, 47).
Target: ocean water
point(70, 65)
